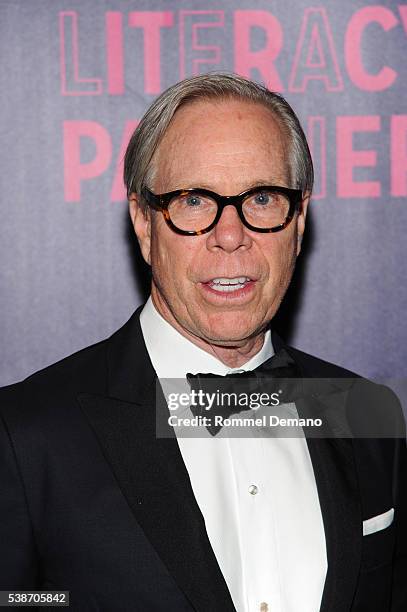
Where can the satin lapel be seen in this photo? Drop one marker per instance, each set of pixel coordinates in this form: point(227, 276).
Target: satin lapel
point(151, 472)
point(336, 479)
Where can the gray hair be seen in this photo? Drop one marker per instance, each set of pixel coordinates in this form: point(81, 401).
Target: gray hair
point(147, 136)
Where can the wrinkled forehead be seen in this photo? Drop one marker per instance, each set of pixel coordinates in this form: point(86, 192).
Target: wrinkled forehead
point(224, 141)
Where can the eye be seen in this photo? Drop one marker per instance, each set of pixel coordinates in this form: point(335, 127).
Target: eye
point(193, 200)
point(262, 198)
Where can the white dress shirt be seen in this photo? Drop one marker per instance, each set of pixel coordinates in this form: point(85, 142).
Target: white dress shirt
point(257, 495)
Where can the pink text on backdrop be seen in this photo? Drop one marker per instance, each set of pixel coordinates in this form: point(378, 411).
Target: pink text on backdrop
point(76, 172)
point(398, 156)
point(315, 57)
point(348, 158)
point(353, 56)
point(316, 136)
point(192, 52)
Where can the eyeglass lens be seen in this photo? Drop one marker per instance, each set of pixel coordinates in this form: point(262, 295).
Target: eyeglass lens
point(195, 211)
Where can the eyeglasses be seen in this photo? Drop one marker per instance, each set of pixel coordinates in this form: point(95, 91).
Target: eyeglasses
point(192, 212)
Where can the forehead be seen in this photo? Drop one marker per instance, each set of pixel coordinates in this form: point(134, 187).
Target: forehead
point(225, 145)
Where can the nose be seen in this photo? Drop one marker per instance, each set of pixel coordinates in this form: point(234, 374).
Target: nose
point(229, 234)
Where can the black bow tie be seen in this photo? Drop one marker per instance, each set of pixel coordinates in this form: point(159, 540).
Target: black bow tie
point(270, 377)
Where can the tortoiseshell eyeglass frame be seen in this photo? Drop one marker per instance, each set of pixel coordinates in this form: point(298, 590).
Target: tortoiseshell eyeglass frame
point(161, 202)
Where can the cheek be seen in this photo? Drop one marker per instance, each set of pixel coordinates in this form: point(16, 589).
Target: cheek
point(171, 260)
point(160, 242)
point(164, 267)
point(281, 263)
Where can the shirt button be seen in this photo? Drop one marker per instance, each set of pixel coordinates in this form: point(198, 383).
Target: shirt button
point(253, 489)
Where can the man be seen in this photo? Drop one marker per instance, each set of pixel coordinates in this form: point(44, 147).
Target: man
point(219, 178)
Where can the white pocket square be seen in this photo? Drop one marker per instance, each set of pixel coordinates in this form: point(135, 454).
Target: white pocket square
point(379, 522)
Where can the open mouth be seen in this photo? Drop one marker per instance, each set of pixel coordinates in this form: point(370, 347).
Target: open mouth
point(226, 285)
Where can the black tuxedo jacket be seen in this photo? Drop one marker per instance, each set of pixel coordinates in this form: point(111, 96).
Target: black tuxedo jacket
point(92, 502)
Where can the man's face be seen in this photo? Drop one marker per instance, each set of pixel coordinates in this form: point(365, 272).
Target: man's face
point(227, 147)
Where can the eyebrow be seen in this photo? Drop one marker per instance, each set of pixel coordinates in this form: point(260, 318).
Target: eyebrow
point(251, 185)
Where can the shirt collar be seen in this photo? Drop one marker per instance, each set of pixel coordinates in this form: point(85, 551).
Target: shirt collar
point(173, 355)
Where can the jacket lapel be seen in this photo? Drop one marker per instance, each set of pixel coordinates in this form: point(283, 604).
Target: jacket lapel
point(334, 467)
point(150, 470)
point(335, 476)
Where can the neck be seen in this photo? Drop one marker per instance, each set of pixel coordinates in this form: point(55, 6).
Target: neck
point(232, 356)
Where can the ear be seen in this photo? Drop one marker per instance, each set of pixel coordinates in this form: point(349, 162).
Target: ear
point(141, 220)
point(302, 215)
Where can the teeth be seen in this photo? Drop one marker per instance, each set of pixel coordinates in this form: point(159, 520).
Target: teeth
point(227, 288)
point(239, 280)
point(225, 285)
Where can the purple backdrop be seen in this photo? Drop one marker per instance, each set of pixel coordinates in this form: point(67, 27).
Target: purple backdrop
point(76, 76)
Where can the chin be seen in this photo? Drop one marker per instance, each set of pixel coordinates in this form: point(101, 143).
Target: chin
point(230, 332)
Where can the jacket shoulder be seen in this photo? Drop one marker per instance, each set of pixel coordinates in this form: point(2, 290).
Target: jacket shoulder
point(83, 370)
point(318, 368)
point(373, 409)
